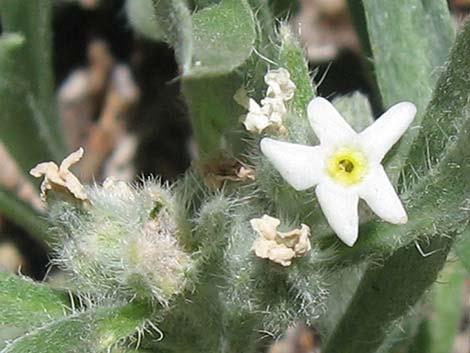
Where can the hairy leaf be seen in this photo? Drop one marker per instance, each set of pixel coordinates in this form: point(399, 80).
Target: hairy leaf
point(385, 294)
point(174, 20)
point(224, 36)
point(27, 304)
point(447, 308)
point(292, 57)
point(210, 45)
point(142, 18)
point(356, 110)
point(437, 204)
point(438, 211)
point(410, 41)
point(30, 127)
point(93, 331)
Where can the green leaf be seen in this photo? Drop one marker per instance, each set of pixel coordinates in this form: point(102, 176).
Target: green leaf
point(447, 313)
point(407, 332)
point(293, 58)
point(93, 331)
point(142, 18)
point(30, 126)
point(356, 110)
point(27, 304)
point(174, 19)
point(213, 110)
point(384, 295)
point(437, 204)
point(209, 46)
point(446, 114)
point(438, 212)
point(23, 215)
point(224, 36)
point(213, 41)
point(410, 40)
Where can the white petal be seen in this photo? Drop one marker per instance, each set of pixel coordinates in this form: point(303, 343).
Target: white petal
point(301, 166)
point(378, 192)
point(44, 168)
point(265, 226)
point(378, 138)
point(262, 247)
point(339, 206)
point(328, 124)
point(256, 122)
point(254, 107)
point(71, 159)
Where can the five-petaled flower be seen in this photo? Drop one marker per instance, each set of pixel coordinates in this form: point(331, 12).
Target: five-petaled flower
point(345, 166)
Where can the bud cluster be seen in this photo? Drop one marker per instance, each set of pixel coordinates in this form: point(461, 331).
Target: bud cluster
point(124, 243)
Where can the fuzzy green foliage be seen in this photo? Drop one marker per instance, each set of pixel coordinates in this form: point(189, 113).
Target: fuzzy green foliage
point(384, 295)
point(93, 331)
point(30, 127)
point(292, 56)
point(410, 42)
point(447, 311)
point(406, 332)
point(142, 19)
point(213, 43)
point(181, 258)
point(387, 288)
point(125, 248)
point(200, 4)
point(432, 212)
point(26, 304)
point(223, 38)
point(174, 20)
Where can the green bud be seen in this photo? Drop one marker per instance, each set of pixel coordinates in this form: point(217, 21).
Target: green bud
point(124, 244)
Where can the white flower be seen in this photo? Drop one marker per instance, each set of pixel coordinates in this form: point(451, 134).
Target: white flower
point(280, 247)
point(279, 84)
point(273, 107)
point(345, 166)
point(268, 115)
point(61, 179)
point(256, 120)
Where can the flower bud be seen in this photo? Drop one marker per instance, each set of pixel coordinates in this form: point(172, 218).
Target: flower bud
point(125, 244)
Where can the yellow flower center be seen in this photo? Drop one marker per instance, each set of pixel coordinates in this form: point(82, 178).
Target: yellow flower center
point(347, 166)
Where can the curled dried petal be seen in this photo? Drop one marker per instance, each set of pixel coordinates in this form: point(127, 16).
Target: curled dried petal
point(266, 226)
point(61, 179)
point(279, 247)
point(279, 84)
